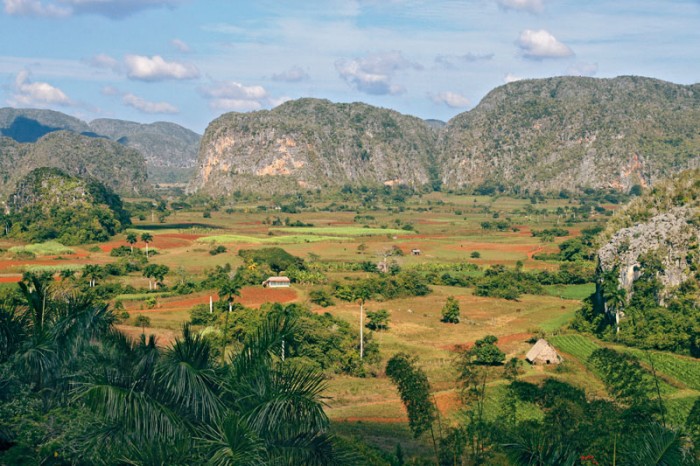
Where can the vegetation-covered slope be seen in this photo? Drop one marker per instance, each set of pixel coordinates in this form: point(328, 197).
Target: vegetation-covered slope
point(121, 169)
point(568, 132)
point(314, 143)
point(50, 204)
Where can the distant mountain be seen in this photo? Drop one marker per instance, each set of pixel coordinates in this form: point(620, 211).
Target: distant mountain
point(550, 134)
point(314, 143)
point(572, 132)
point(28, 125)
point(170, 150)
point(436, 124)
point(119, 168)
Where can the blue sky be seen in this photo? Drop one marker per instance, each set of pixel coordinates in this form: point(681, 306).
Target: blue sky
point(189, 61)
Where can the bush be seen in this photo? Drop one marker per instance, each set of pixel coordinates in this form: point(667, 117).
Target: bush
point(142, 321)
point(475, 255)
point(450, 311)
point(220, 249)
point(321, 297)
point(200, 315)
point(378, 320)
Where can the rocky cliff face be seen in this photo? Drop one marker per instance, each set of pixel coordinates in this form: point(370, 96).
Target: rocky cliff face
point(670, 235)
point(312, 143)
point(665, 222)
point(549, 134)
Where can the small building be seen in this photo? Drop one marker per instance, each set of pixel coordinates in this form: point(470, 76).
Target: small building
point(543, 353)
point(415, 252)
point(277, 282)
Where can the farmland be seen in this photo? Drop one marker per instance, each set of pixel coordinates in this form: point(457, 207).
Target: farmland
point(435, 234)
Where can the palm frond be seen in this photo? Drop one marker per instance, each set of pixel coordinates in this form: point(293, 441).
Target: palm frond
point(188, 379)
point(654, 446)
point(233, 442)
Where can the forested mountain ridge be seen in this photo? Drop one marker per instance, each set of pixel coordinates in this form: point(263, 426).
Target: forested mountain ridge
point(120, 168)
point(314, 143)
point(170, 150)
point(546, 134)
point(559, 133)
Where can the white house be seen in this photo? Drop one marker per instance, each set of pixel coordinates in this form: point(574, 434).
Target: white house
point(277, 282)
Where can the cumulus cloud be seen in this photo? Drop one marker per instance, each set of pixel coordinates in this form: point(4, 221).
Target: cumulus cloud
point(180, 45)
point(583, 69)
point(27, 93)
point(155, 68)
point(541, 44)
point(114, 9)
point(373, 74)
point(146, 106)
point(293, 75)
point(453, 61)
point(451, 99)
point(511, 78)
point(233, 96)
point(531, 6)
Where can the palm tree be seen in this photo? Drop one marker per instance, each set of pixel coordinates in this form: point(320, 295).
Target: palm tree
point(254, 410)
point(361, 293)
point(146, 238)
point(93, 272)
point(132, 239)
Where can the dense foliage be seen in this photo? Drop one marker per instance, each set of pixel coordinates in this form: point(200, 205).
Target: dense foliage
point(74, 390)
point(51, 205)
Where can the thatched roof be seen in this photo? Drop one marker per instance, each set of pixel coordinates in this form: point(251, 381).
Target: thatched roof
point(543, 353)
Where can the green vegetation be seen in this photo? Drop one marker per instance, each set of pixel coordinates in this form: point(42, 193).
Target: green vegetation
point(49, 248)
point(51, 205)
point(450, 311)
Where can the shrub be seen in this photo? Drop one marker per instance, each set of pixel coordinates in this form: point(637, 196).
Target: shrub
point(475, 255)
point(321, 297)
point(378, 320)
point(450, 311)
point(220, 249)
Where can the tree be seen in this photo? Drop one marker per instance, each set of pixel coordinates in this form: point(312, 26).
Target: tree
point(485, 352)
point(142, 321)
point(450, 311)
point(93, 272)
point(360, 294)
point(414, 390)
point(132, 239)
point(156, 272)
point(146, 238)
point(378, 320)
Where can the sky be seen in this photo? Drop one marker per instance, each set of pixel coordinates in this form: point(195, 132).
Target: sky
point(189, 61)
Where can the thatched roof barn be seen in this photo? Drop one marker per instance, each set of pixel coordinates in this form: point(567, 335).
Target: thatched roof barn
point(543, 353)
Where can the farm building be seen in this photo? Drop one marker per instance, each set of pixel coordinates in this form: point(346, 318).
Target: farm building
point(277, 282)
point(543, 353)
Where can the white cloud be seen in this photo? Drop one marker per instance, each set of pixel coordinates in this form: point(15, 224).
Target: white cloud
point(531, 6)
point(452, 61)
point(451, 99)
point(103, 60)
point(35, 8)
point(373, 74)
point(27, 93)
point(155, 68)
point(583, 69)
point(293, 75)
point(233, 96)
point(146, 106)
point(110, 90)
point(541, 44)
point(511, 78)
point(180, 45)
point(114, 9)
